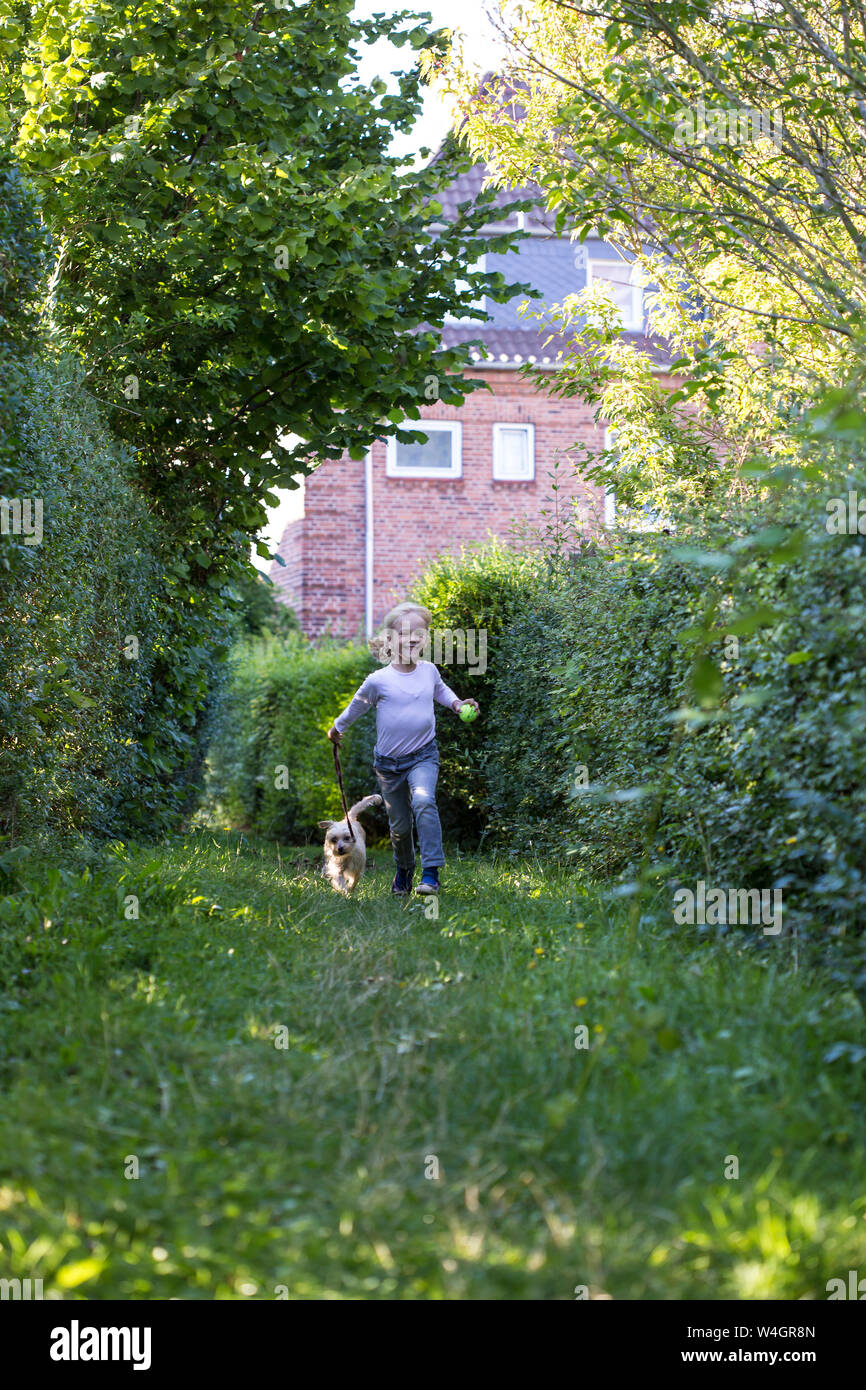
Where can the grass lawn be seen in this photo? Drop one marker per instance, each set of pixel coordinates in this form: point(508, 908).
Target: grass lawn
point(413, 1047)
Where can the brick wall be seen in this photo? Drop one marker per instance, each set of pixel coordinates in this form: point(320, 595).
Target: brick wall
point(289, 577)
point(324, 551)
point(414, 518)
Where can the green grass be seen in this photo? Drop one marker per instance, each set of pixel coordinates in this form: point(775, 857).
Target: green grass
point(303, 1168)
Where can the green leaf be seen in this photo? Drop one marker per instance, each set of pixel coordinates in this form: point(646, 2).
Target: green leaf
point(79, 700)
point(80, 1272)
point(761, 616)
point(706, 559)
point(707, 681)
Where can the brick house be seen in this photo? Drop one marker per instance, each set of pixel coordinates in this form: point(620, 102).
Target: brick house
point(370, 525)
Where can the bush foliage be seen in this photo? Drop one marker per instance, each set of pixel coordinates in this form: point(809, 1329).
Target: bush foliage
point(271, 768)
point(483, 589)
point(106, 676)
point(601, 739)
point(596, 715)
point(219, 295)
point(103, 677)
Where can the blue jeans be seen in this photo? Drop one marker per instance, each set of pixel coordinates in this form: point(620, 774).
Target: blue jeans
point(408, 786)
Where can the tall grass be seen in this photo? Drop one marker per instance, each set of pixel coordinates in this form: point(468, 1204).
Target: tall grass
point(430, 1129)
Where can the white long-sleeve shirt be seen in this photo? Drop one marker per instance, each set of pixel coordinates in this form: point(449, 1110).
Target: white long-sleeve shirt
point(405, 720)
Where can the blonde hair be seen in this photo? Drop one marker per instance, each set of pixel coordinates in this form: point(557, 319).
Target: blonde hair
point(394, 619)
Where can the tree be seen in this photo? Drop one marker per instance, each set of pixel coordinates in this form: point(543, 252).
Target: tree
point(261, 613)
point(237, 259)
point(721, 149)
point(239, 256)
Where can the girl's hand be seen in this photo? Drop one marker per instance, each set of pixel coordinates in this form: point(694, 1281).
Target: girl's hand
point(458, 705)
point(335, 736)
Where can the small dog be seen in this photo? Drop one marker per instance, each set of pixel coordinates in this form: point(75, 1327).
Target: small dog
point(344, 857)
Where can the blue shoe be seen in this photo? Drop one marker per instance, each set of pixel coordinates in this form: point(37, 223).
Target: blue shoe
point(402, 882)
point(429, 882)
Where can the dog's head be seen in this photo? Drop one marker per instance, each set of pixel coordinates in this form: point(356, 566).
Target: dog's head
point(338, 841)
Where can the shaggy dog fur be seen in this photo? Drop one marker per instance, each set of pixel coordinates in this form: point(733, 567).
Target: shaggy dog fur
point(344, 857)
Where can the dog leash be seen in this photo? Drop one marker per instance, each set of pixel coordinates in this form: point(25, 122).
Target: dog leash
point(339, 772)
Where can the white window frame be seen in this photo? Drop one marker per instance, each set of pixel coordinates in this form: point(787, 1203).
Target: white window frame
point(529, 430)
point(595, 267)
point(453, 427)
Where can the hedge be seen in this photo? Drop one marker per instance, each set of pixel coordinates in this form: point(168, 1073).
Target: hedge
point(580, 733)
point(109, 670)
point(484, 589)
point(270, 766)
point(93, 735)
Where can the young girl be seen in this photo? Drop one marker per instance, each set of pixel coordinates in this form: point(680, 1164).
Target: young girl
point(406, 758)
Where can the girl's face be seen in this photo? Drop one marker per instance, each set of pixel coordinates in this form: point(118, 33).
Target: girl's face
point(409, 639)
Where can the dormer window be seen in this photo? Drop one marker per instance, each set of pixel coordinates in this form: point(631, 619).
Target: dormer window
point(623, 283)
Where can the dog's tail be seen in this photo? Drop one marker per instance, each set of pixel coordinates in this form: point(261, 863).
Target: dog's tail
point(364, 805)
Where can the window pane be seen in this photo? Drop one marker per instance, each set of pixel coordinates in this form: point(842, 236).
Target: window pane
point(514, 452)
point(615, 276)
point(436, 453)
point(618, 272)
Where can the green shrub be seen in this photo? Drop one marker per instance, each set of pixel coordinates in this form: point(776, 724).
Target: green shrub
point(109, 667)
point(271, 767)
point(22, 255)
point(767, 789)
point(526, 749)
point(104, 678)
point(774, 794)
point(575, 642)
point(483, 589)
point(260, 612)
point(624, 676)
point(69, 698)
point(23, 243)
point(581, 734)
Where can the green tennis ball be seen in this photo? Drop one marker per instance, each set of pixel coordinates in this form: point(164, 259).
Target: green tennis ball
point(468, 713)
